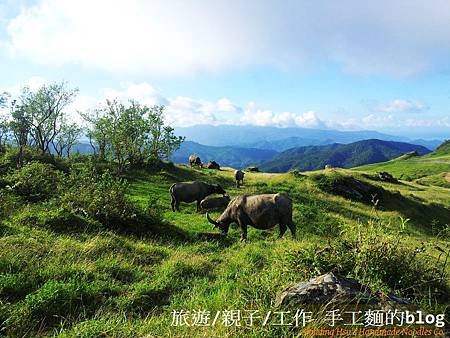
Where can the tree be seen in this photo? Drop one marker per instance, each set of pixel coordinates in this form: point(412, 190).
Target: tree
point(162, 141)
point(45, 109)
point(131, 135)
point(66, 139)
point(97, 132)
point(20, 127)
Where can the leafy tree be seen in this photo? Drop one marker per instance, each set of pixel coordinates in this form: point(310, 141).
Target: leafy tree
point(45, 109)
point(162, 140)
point(131, 135)
point(98, 132)
point(20, 127)
point(66, 139)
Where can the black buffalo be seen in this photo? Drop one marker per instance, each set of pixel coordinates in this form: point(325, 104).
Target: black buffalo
point(189, 192)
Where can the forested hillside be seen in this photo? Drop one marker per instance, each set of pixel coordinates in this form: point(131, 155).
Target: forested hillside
point(339, 155)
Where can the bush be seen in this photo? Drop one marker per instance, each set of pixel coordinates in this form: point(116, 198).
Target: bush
point(102, 197)
point(8, 203)
point(10, 159)
point(54, 217)
point(381, 261)
point(36, 181)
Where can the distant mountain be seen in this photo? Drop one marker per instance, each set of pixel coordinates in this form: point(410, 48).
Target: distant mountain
point(430, 144)
point(236, 157)
point(288, 143)
point(274, 138)
point(339, 155)
point(82, 148)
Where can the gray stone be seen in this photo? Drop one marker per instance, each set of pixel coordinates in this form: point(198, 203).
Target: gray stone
point(333, 288)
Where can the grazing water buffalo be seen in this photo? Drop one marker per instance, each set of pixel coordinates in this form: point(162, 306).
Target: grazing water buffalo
point(215, 202)
point(260, 211)
point(239, 177)
point(213, 165)
point(194, 159)
point(189, 192)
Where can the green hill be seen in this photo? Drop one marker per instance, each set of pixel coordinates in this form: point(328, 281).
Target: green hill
point(432, 168)
point(339, 155)
point(60, 279)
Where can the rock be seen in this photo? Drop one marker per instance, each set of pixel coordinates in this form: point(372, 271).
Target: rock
point(253, 169)
point(386, 177)
point(333, 288)
point(354, 189)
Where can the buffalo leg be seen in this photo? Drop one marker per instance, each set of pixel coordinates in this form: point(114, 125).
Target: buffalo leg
point(292, 228)
point(243, 232)
point(198, 205)
point(283, 229)
point(173, 203)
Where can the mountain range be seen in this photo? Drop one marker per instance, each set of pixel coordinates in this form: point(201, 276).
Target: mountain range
point(280, 139)
point(230, 156)
point(339, 155)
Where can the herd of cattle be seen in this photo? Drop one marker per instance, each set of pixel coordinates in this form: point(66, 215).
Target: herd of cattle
point(262, 211)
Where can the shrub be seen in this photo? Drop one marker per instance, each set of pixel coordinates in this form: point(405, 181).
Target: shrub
point(10, 159)
point(102, 197)
point(381, 261)
point(36, 181)
point(54, 217)
point(8, 203)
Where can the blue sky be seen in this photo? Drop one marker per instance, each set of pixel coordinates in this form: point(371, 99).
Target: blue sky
point(347, 65)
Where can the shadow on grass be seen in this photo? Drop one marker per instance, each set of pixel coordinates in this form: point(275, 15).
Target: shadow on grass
point(424, 216)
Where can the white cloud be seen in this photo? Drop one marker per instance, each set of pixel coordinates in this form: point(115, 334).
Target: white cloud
point(186, 111)
point(142, 92)
point(180, 37)
point(260, 117)
point(399, 105)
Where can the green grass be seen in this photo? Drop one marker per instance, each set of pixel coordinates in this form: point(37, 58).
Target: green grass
point(410, 168)
point(107, 283)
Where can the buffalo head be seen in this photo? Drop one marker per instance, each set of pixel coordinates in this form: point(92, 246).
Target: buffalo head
point(218, 224)
point(219, 190)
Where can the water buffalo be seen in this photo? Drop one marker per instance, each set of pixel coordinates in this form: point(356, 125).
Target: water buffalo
point(260, 211)
point(194, 159)
point(215, 202)
point(239, 177)
point(189, 192)
point(213, 165)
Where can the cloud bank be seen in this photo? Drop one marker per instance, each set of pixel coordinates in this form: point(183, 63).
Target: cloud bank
point(397, 38)
point(183, 111)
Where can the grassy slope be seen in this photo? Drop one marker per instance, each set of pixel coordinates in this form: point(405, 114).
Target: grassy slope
point(430, 169)
point(144, 279)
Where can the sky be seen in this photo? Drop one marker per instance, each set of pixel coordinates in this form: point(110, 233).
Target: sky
point(347, 65)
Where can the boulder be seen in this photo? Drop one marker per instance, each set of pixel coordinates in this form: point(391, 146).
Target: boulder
point(333, 288)
point(253, 169)
point(386, 177)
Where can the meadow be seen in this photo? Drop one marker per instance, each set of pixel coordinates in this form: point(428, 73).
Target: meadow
point(70, 273)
